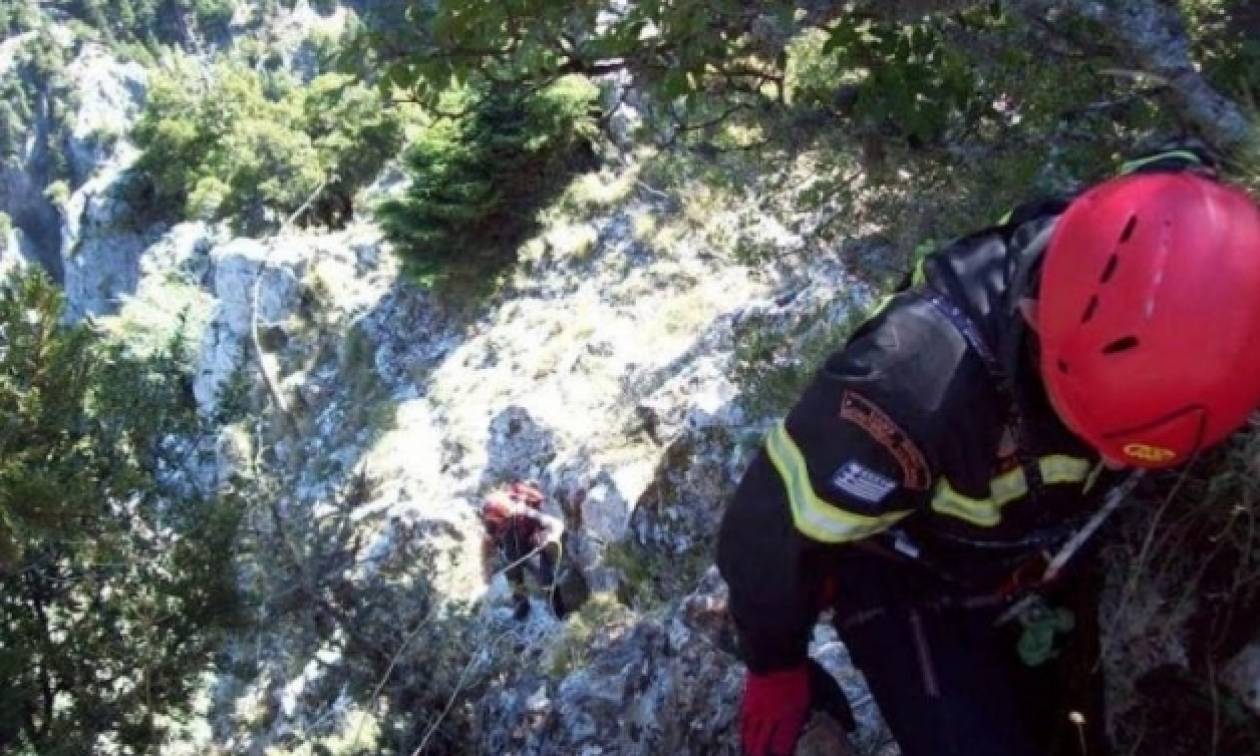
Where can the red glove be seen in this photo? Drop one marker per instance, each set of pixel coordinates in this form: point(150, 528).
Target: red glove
point(774, 711)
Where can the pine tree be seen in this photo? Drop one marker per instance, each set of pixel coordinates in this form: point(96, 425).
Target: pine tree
point(114, 584)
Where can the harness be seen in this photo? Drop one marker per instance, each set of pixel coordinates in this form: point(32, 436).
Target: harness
point(1003, 383)
point(1032, 572)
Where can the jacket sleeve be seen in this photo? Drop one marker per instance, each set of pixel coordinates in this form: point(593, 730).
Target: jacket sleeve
point(774, 572)
point(837, 471)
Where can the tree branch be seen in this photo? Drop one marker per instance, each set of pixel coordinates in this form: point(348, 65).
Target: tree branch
point(1152, 36)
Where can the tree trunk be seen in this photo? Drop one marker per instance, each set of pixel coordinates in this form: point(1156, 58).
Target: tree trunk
point(1151, 35)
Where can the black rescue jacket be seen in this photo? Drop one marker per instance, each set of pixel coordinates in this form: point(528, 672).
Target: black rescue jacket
point(929, 434)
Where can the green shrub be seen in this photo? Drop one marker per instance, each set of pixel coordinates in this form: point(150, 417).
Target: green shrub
point(478, 181)
point(115, 583)
point(18, 16)
point(773, 368)
point(253, 146)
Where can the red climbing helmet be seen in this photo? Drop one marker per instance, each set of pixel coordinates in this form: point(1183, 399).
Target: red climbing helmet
point(1149, 316)
point(497, 508)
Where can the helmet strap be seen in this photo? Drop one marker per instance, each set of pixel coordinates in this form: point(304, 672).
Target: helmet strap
point(1002, 379)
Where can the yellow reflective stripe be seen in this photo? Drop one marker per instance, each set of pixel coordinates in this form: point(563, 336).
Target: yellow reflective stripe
point(1005, 488)
point(1006, 217)
point(1134, 165)
point(918, 277)
point(882, 305)
point(981, 512)
point(1060, 468)
point(814, 517)
point(919, 256)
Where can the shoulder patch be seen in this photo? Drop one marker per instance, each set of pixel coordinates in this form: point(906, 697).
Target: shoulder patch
point(862, 482)
point(863, 413)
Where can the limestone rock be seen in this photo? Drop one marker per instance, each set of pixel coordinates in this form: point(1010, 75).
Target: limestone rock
point(110, 94)
point(649, 687)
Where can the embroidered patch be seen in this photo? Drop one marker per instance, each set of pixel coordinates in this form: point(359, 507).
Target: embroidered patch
point(863, 413)
point(862, 482)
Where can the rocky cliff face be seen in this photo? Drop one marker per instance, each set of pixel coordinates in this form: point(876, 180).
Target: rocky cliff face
point(602, 368)
point(25, 173)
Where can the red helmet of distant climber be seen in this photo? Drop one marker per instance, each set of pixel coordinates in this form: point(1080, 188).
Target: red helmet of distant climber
point(1149, 316)
point(497, 509)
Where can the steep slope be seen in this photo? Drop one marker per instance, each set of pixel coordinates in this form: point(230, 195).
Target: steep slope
point(363, 417)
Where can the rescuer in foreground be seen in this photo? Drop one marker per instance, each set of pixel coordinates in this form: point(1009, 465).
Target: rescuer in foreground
point(932, 482)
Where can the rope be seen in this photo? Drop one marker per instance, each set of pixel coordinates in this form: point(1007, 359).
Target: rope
point(459, 688)
point(393, 662)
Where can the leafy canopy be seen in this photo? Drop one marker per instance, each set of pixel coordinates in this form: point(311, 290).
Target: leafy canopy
point(115, 584)
point(429, 46)
point(252, 145)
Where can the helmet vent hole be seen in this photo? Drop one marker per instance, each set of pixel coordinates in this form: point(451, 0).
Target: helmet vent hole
point(1120, 345)
point(1063, 367)
point(1110, 270)
point(1090, 309)
point(1128, 229)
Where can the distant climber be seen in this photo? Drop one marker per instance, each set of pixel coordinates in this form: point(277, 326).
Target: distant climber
point(526, 540)
point(934, 480)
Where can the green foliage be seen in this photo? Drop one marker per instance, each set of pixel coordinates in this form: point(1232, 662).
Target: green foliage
point(676, 49)
point(648, 578)
point(694, 58)
point(1192, 548)
point(477, 182)
point(813, 73)
point(114, 583)
point(14, 110)
point(572, 650)
point(353, 132)
point(906, 75)
point(772, 368)
point(1224, 32)
point(151, 22)
point(254, 145)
